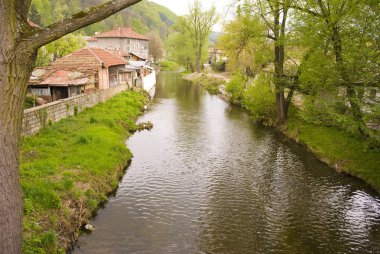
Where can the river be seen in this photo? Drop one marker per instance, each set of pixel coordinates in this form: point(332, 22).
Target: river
point(206, 179)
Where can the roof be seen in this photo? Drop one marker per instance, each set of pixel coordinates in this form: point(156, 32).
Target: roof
point(138, 56)
point(88, 59)
point(137, 63)
point(121, 32)
point(65, 78)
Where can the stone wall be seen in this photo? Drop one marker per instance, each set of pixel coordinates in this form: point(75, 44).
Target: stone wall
point(37, 118)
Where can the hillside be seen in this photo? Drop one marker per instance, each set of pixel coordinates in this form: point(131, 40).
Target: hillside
point(142, 17)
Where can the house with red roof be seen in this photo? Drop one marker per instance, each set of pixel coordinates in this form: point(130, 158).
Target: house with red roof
point(83, 71)
point(123, 40)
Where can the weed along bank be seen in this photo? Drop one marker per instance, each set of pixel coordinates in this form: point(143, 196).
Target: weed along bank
point(68, 169)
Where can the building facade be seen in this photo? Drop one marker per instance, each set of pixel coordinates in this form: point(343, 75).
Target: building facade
point(123, 40)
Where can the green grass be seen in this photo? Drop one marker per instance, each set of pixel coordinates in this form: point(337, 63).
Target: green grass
point(169, 66)
point(337, 148)
point(210, 84)
point(68, 169)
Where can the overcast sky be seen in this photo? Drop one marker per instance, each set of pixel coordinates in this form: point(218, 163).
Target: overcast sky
point(180, 7)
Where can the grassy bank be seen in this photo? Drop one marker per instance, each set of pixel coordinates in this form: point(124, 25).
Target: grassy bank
point(337, 148)
point(169, 66)
point(68, 169)
point(211, 84)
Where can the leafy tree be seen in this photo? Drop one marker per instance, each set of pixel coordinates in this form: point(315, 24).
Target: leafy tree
point(19, 44)
point(197, 26)
point(156, 48)
point(342, 37)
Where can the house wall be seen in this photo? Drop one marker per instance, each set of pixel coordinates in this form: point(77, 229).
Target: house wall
point(103, 78)
point(37, 118)
point(128, 45)
point(149, 81)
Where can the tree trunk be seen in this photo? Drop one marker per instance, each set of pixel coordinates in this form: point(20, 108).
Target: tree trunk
point(198, 62)
point(351, 93)
point(19, 42)
point(15, 68)
point(279, 56)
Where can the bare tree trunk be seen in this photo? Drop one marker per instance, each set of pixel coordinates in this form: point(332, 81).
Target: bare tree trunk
point(14, 73)
point(18, 48)
point(198, 61)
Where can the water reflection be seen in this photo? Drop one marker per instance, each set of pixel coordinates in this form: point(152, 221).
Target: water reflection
point(207, 180)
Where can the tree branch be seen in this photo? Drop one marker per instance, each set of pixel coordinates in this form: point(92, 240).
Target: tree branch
point(313, 13)
point(75, 22)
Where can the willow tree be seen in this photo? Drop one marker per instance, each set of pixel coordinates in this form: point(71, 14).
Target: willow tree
point(19, 43)
point(198, 24)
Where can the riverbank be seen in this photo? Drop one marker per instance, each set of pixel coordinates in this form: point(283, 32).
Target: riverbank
point(336, 148)
point(210, 81)
point(69, 168)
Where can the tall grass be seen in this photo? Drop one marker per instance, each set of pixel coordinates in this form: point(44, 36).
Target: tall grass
point(68, 169)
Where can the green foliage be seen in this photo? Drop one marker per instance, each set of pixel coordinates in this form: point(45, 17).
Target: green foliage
point(259, 99)
point(188, 46)
point(236, 88)
point(219, 66)
point(71, 166)
point(59, 48)
point(30, 101)
point(245, 41)
point(168, 66)
point(209, 83)
point(142, 17)
point(76, 109)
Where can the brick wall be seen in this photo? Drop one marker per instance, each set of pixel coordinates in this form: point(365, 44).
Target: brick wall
point(37, 118)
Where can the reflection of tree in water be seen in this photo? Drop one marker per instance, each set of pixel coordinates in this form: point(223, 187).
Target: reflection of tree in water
point(271, 197)
point(172, 85)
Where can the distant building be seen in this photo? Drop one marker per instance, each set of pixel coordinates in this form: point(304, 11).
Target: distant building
point(125, 41)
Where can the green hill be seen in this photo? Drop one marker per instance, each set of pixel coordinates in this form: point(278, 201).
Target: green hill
point(142, 17)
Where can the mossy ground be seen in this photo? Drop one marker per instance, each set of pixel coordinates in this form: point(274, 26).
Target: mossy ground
point(339, 149)
point(68, 169)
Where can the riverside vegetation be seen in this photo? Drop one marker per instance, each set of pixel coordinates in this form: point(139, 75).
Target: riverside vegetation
point(69, 168)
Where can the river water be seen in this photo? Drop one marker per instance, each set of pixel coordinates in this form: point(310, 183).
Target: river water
point(208, 180)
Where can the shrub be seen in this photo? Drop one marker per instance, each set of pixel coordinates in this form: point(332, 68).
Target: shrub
point(236, 88)
point(169, 66)
point(29, 101)
point(219, 66)
point(259, 99)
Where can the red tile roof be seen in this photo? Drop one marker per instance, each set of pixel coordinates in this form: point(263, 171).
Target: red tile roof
point(88, 59)
point(121, 32)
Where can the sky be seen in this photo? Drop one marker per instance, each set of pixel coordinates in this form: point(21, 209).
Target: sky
point(180, 7)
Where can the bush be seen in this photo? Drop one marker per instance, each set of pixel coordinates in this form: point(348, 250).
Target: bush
point(219, 66)
point(259, 99)
point(236, 88)
point(29, 101)
point(169, 66)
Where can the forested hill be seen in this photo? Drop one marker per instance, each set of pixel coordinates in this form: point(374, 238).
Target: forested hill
point(142, 17)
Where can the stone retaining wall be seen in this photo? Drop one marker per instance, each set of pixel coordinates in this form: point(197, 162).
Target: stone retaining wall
point(37, 118)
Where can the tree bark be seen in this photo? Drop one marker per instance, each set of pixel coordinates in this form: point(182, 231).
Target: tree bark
point(279, 57)
point(18, 49)
point(14, 73)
